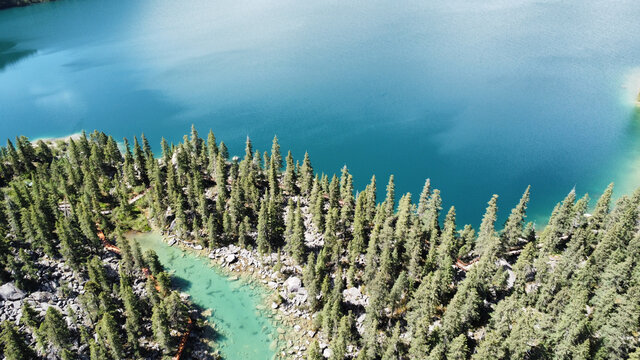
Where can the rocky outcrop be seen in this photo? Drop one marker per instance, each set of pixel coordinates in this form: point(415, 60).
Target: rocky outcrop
point(9, 292)
point(58, 287)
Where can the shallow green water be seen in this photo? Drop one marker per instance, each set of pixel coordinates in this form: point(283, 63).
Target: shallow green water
point(245, 332)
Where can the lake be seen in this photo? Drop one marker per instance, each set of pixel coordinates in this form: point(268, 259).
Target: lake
point(481, 97)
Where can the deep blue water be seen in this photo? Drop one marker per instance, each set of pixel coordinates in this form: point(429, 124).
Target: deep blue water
point(481, 97)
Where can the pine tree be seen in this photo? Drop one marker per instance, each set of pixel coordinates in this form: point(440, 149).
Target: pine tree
point(458, 350)
point(392, 351)
point(314, 351)
point(431, 214)
point(12, 343)
point(140, 161)
point(601, 210)
point(318, 207)
point(398, 293)
point(290, 177)
point(221, 179)
point(132, 312)
point(13, 157)
point(488, 244)
point(559, 223)
point(389, 201)
point(13, 216)
point(177, 312)
point(263, 232)
point(166, 151)
point(276, 158)
point(152, 260)
point(310, 281)
point(160, 327)
point(212, 152)
point(164, 282)
point(404, 221)
point(462, 312)
point(69, 247)
point(306, 176)
point(295, 241)
point(55, 332)
point(212, 232)
point(419, 347)
point(244, 229)
point(341, 340)
point(127, 263)
point(572, 328)
point(29, 316)
point(275, 216)
point(97, 351)
point(513, 228)
point(109, 331)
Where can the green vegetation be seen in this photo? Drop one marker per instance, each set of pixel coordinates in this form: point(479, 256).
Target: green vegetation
point(431, 289)
point(56, 198)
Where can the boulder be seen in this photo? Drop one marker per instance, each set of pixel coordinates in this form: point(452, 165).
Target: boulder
point(10, 292)
point(230, 259)
point(293, 284)
point(42, 296)
point(354, 296)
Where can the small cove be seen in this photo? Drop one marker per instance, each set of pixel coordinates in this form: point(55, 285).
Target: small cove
point(243, 332)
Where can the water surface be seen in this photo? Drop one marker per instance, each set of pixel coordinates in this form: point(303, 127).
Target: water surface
point(245, 332)
point(483, 97)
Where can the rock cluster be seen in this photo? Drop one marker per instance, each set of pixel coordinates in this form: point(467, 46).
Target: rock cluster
point(59, 286)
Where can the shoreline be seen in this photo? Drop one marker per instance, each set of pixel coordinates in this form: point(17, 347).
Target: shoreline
point(56, 139)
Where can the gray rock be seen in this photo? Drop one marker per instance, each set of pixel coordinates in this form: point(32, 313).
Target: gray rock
point(293, 284)
point(230, 259)
point(354, 296)
point(41, 296)
point(9, 291)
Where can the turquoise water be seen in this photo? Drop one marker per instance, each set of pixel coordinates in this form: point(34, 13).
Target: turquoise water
point(245, 333)
point(483, 97)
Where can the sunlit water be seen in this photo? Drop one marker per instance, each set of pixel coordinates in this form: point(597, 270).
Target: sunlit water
point(483, 97)
point(244, 331)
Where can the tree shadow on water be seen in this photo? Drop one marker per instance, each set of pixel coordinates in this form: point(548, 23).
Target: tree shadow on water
point(180, 283)
point(9, 55)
